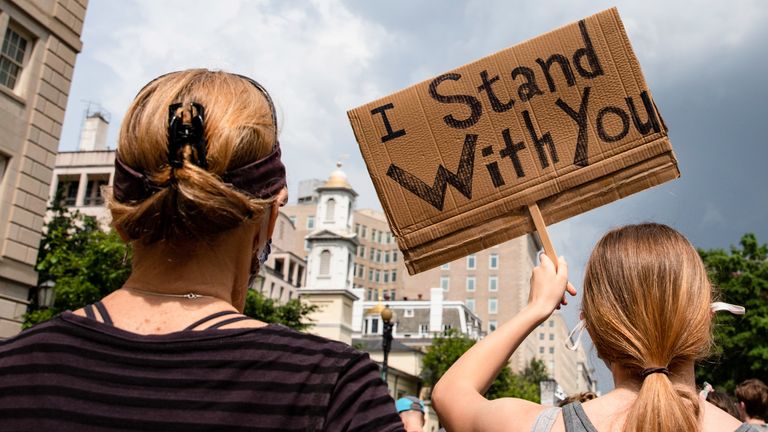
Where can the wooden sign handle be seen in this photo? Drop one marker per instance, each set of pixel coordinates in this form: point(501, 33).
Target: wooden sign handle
point(541, 228)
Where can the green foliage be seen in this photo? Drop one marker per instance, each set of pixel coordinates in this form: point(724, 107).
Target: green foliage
point(741, 349)
point(447, 348)
point(85, 262)
point(292, 314)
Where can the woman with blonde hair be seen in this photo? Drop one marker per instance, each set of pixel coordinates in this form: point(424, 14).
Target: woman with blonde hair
point(647, 307)
point(197, 189)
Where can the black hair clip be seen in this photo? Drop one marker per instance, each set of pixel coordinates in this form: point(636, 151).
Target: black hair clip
point(181, 134)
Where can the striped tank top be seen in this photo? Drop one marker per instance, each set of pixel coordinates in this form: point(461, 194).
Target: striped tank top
point(74, 373)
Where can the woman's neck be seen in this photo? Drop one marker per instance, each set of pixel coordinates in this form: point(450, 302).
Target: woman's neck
point(218, 268)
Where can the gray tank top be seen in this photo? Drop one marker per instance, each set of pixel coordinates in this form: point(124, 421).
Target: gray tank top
point(576, 420)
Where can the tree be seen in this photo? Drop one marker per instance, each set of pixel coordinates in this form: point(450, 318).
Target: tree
point(85, 262)
point(741, 342)
point(293, 314)
point(447, 348)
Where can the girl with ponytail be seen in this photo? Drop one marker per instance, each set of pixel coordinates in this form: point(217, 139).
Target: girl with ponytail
point(647, 307)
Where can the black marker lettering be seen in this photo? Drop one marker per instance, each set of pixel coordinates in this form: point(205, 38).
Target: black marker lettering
point(564, 65)
point(624, 124)
point(528, 89)
point(472, 102)
point(589, 51)
point(539, 142)
point(510, 150)
point(487, 86)
point(435, 194)
point(649, 125)
point(493, 168)
point(391, 134)
point(582, 142)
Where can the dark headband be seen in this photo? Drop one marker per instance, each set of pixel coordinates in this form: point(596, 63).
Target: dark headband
point(261, 179)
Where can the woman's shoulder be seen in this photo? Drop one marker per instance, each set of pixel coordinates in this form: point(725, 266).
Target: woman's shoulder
point(715, 419)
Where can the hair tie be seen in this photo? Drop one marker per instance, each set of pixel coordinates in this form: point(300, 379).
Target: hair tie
point(654, 370)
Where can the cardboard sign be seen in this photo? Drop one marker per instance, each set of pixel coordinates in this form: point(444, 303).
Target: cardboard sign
point(564, 120)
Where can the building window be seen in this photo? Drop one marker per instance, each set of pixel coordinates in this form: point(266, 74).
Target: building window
point(378, 239)
point(493, 306)
point(373, 254)
point(446, 266)
point(388, 238)
point(378, 273)
point(370, 275)
point(408, 313)
point(541, 336)
point(386, 257)
point(493, 283)
point(374, 326)
point(325, 263)
point(471, 304)
point(551, 336)
point(386, 276)
point(360, 271)
point(471, 262)
point(423, 328)
point(357, 229)
point(392, 294)
point(364, 231)
point(310, 222)
point(551, 350)
point(446, 327)
point(373, 235)
point(378, 256)
point(394, 276)
point(493, 261)
point(68, 190)
point(3, 165)
point(541, 350)
point(445, 283)
point(492, 325)
point(394, 256)
point(551, 323)
point(93, 195)
point(13, 56)
point(470, 283)
point(330, 209)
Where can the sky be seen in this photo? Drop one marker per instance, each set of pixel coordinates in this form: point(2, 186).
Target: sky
point(704, 62)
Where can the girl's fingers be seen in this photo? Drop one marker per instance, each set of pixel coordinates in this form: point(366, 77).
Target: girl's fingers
point(571, 289)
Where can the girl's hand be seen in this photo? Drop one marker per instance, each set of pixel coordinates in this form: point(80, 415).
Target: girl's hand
point(549, 285)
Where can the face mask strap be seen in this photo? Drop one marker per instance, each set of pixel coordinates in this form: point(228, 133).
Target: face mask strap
point(723, 306)
point(573, 341)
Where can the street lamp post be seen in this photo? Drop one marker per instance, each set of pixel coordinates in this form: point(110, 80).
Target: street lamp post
point(386, 342)
point(46, 294)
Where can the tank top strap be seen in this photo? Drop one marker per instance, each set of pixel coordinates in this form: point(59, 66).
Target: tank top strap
point(545, 420)
point(88, 309)
point(210, 317)
point(103, 312)
point(228, 321)
point(576, 419)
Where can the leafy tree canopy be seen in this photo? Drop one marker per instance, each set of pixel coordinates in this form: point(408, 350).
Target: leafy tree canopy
point(741, 342)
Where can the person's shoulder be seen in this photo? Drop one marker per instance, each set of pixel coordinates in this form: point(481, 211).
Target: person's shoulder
point(309, 342)
point(27, 339)
point(716, 419)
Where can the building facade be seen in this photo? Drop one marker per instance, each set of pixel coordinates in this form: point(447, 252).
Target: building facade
point(41, 40)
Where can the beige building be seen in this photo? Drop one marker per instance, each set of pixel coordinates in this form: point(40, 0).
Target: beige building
point(41, 40)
